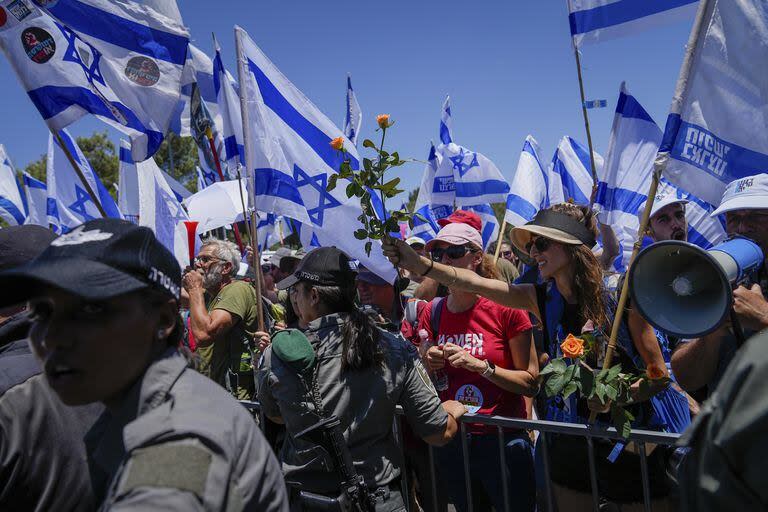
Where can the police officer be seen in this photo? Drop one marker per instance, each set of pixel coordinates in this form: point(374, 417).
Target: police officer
point(362, 372)
point(104, 301)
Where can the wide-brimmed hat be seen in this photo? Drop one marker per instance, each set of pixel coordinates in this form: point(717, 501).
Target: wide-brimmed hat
point(457, 233)
point(750, 193)
point(557, 226)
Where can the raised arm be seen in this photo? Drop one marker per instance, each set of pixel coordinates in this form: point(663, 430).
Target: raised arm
point(515, 296)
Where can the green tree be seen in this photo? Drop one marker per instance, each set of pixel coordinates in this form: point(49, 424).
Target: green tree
point(180, 161)
point(100, 152)
point(37, 168)
point(412, 196)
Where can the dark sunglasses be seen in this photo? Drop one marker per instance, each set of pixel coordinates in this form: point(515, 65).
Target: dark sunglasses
point(452, 251)
point(541, 243)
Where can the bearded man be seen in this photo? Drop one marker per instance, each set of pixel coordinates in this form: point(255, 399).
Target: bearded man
point(223, 316)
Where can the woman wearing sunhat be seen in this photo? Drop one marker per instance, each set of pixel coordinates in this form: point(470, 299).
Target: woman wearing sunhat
point(560, 240)
point(486, 352)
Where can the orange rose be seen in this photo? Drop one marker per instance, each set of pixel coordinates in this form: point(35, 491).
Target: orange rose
point(572, 346)
point(654, 372)
point(383, 121)
point(337, 143)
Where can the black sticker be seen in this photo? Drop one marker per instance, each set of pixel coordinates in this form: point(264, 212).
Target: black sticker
point(143, 71)
point(38, 44)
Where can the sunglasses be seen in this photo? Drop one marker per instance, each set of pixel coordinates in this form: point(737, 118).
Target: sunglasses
point(541, 243)
point(454, 252)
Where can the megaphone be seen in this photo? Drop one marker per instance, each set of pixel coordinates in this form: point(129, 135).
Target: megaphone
point(685, 291)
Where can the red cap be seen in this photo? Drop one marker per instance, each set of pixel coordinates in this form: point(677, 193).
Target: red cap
point(462, 217)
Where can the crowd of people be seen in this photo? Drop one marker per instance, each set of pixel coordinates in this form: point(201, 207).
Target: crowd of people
point(120, 373)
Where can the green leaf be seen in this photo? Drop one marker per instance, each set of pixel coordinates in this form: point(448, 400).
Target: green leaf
point(569, 372)
point(367, 164)
point(547, 370)
point(600, 392)
point(350, 191)
point(368, 143)
point(361, 234)
point(587, 382)
point(558, 364)
point(570, 389)
point(554, 384)
point(611, 392)
point(332, 182)
point(622, 420)
point(368, 246)
point(613, 372)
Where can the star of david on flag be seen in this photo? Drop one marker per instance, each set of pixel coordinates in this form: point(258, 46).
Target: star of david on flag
point(464, 161)
point(79, 206)
point(306, 183)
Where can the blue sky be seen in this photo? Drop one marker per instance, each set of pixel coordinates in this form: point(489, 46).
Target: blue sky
point(508, 67)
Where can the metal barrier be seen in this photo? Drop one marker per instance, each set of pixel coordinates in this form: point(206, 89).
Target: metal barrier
point(543, 427)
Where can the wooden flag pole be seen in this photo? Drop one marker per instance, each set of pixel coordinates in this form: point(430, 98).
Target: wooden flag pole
point(80, 174)
point(242, 76)
point(500, 240)
point(586, 125)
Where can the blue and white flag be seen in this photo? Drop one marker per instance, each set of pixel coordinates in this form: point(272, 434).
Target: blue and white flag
point(128, 184)
point(160, 211)
point(528, 191)
point(427, 204)
point(476, 179)
point(293, 159)
point(446, 124)
point(570, 176)
point(490, 229)
point(204, 179)
point(354, 117)
point(72, 204)
point(624, 184)
point(37, 201)
point(715, 131)
point(231, 118)
point(593, 21)
point(179, 191)
point(120, 61)
point(199, 70)
point(12, 198)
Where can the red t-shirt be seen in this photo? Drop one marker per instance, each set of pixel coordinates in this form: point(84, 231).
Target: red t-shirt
point(484, 330)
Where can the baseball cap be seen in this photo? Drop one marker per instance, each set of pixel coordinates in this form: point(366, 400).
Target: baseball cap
point(557, 226)
point(414, 240)
point(661, 200)
point(279, 255)
point(98, 260)
point(324, 266)
point(750, 193)
point(21, 244)
point(457, 234)
point(463, 217)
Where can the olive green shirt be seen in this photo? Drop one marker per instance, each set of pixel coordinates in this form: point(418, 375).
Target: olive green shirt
point(507, 270)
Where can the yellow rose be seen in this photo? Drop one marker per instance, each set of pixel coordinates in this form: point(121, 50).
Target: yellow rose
point(383, 121)
point(337, 143)
point(572, 346)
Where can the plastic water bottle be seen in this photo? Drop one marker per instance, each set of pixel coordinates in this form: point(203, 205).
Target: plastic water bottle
point(439, 377)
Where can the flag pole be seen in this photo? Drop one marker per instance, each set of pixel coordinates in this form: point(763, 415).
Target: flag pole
point(80, 174)
point(249, 166)
point(593, 169)
point(500, 240)
point(216, 159)
point(659, 165)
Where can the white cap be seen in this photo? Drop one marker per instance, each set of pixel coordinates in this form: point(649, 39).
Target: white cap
point(415, 240)
point(279, 254)
point(750, 193)
point(662, 199)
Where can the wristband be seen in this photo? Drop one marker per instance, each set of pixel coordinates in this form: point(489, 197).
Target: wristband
point(429, 269)
point(490, 369)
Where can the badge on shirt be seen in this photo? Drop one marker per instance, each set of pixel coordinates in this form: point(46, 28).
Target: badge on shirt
point(471, 397)
point(424, 376)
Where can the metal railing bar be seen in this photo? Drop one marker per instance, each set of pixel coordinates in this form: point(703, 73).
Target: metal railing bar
point(467, 476)
point(432, 477)
point(504, 471)
point(644, 474)
point(547, 479)
point(593, 474)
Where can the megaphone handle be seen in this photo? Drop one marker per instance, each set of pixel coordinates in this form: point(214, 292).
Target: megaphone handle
point(738, 331)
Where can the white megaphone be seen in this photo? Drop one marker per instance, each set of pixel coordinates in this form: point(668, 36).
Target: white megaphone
point(685, 291)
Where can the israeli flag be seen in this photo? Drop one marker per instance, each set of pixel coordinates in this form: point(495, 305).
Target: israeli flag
point(593, 21)
point(161, 211)
point(120, 61)
point(528, 191)
point(476, 179)
point(715, 132)
point(293, 158)
point(180, 192)
point(37, 201)
point(490, 229)
point(12, 198)
point(624, 184)
point(128, 184)
point(226, 90)
point(446, 124)
point(427, 204)
point(265, 229)
point(570, 176)
point(204, 179)
point(72, 203)
point(354, 117)
point(198, 72)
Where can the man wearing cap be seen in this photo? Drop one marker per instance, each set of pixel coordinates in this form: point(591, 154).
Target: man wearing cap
point(106, 327)
point(42, 455)
point(702, 361)
point(360, 373)
point(667, 220)
point(379, 295)
point(223, 316)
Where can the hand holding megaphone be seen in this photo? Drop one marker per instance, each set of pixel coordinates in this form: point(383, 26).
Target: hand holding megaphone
point(751, 307)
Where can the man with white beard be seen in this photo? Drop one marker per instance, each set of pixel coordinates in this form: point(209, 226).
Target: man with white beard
point(223, 316)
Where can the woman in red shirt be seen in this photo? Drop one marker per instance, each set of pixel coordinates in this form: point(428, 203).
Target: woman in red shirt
point(487, 353)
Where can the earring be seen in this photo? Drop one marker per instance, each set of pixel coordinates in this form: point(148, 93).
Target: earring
point(160, 333)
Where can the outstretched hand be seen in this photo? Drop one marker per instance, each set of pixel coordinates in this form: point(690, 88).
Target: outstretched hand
point(401, 255)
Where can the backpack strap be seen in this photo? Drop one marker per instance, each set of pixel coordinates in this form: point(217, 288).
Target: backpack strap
point(541, 302)
point(435, 313)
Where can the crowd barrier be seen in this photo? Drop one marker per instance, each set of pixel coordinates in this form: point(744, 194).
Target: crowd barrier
point(591, 432)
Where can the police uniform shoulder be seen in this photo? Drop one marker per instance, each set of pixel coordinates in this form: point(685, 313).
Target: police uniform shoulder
point(395, 345)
